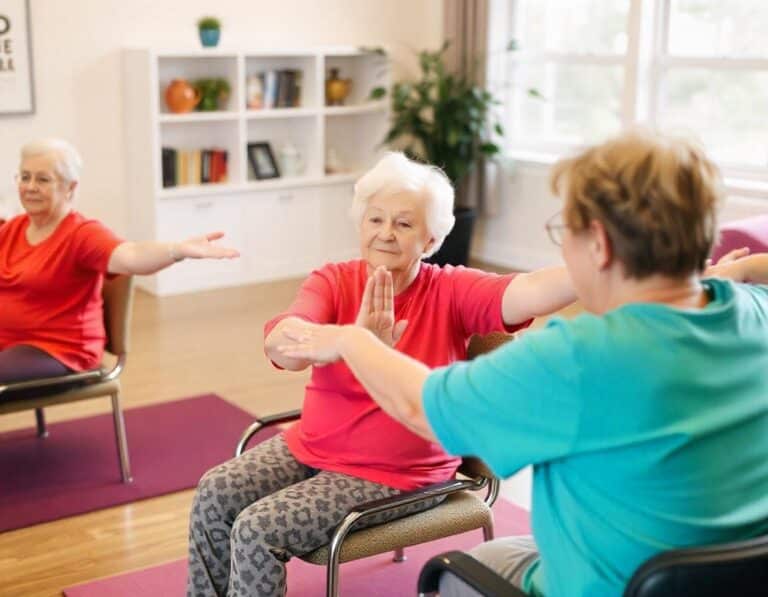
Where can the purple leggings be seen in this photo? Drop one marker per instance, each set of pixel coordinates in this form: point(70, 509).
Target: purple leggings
point(22, 362)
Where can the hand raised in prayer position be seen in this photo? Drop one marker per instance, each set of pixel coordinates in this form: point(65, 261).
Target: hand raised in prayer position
point(377, 309)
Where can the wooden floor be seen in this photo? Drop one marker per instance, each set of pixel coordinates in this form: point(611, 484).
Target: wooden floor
point(184, 345)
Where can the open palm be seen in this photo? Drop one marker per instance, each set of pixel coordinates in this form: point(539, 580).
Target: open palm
point(377, 309)
point(202, 247)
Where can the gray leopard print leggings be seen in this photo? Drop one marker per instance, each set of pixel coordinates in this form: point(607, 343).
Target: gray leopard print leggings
point(253, 513)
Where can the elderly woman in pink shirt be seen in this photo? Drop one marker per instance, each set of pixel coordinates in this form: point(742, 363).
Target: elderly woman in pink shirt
point(285, 496)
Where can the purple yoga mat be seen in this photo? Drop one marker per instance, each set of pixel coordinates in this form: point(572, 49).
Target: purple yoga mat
point(377, 576)
point(76, 469)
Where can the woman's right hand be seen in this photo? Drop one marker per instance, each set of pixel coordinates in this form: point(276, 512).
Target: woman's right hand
point(377, 309)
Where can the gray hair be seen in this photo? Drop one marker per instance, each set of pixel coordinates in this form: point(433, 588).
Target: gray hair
point(67, 161)
point(395, 173)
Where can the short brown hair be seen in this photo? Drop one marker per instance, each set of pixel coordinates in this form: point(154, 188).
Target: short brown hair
point(657, 197)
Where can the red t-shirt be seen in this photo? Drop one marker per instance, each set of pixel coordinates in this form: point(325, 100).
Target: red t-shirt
point(341, 428)
point(50, 293)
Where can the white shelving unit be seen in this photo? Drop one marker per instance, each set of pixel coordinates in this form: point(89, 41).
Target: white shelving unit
point(284, 227)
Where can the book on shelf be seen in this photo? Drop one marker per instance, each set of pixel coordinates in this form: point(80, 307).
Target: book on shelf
point(193, 166)
point(274, 89)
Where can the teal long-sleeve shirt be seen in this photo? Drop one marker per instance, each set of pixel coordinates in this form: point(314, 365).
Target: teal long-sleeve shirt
point(647, 429)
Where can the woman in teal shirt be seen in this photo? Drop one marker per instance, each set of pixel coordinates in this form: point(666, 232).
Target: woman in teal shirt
point(646, 418)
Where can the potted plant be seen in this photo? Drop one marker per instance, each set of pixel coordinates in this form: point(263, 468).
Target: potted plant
point(212, 93)
point(446, 120)
point(209, 29)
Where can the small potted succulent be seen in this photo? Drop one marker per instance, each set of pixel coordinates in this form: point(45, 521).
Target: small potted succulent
point(210, 30)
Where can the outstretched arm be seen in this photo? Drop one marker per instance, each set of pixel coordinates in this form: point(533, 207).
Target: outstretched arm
point(393, 379)
point(148, 257)
point(537, 293)
point(736, 266)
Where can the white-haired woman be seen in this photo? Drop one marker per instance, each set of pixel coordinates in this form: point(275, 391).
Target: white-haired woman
point(285, 496)
point(52, 266)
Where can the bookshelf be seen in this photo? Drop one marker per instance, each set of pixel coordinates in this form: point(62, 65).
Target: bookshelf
point(285, 226)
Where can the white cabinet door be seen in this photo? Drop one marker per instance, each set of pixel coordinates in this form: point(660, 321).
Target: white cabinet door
point(285, 237)
point(178, 219)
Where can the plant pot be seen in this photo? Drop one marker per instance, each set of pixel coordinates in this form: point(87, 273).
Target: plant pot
point(209, 37)
point(455, 248)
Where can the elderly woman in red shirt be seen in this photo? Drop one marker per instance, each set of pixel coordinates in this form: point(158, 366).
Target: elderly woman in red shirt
point(285, 496)
point(52, 266)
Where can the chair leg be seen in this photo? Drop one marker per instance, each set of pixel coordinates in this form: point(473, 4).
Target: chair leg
point(399, 555)
point(122, 442)
point(488, 532)
point(42, 430)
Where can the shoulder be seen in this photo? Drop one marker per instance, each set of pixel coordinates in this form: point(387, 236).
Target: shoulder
point(80, 222)
point(15, 222)
point(459, 275)
point(341, 272)
point(335, 278)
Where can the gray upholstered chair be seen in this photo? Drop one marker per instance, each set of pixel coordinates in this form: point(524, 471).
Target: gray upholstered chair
point(737, 568)
point(464, 508)
point(117, 294)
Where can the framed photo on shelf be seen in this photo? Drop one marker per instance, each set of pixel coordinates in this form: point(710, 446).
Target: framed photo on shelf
point(262, 160)
point(16, 91)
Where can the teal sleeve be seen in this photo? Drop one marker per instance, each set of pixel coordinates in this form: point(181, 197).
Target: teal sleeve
point(517, 406)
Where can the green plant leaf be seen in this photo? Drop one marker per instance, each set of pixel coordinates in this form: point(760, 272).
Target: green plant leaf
point(377, 93)
point(489, 148)
point(533, 92)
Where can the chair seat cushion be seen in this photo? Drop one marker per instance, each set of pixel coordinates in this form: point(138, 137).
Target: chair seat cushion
point(459, 512)
point(94, 390)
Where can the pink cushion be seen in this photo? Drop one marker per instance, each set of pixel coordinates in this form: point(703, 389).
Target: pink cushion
point(749, 232)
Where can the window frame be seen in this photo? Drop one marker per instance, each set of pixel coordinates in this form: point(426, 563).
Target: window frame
point(645, 64)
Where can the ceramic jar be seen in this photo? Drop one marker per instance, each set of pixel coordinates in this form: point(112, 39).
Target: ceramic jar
point(180, 96)
point(336, 89)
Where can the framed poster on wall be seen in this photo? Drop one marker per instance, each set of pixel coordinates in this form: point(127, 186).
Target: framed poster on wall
point(16, 89)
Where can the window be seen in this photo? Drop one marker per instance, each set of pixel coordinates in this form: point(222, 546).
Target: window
point(684, 66)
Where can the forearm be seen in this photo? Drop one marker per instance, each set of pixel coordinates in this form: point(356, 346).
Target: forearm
point(142, 258)
point(756, 268)
point(394, 380)
point(275, 339)
point(537, 293)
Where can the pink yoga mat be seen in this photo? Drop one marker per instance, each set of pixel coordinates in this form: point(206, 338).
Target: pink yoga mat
point(75, 470)
point(377, 576)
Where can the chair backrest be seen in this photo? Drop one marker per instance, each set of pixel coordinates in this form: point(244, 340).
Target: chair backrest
point(739, 568)
point(481, 344)
point(117, 294)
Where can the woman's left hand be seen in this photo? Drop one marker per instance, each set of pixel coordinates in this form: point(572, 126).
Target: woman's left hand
point(202, 247)
point(317, 343)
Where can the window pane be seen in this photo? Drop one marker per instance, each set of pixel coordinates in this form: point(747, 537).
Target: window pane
point(581, 26)
point(733, 28)
point(581, 103)
point(726, 109)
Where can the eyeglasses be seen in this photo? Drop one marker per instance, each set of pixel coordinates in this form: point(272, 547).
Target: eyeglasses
point(555, 228)
point(44, 181)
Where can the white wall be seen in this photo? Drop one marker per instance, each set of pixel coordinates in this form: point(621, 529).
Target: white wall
point(515, 236)
point(76, 47)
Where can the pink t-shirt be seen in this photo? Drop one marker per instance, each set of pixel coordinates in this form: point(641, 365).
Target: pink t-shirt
point(341, 428)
